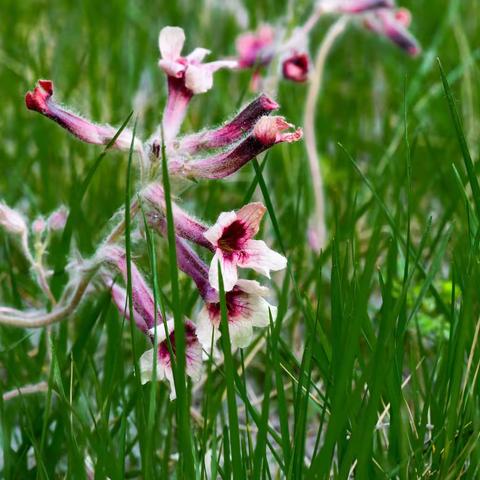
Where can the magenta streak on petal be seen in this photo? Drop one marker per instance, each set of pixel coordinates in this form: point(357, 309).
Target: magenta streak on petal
point(237, 305)
point(190, 338)
point(40, 100)
point(232, 131)
point(233, 237)
point(176, 108)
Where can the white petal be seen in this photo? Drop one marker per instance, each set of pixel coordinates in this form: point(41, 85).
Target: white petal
point(261, 311)
point(146, 367)
point(171, 68)
point(160, 327)
point(170, 42)
point(205, 328)
point(171, 381)
point(194, 361)
point(241, 332)
point(229, 272)
point(261, 258)
point(214, 66)
point(198, 79)
point(198, 55)
point(252, 287)
point(216, 231)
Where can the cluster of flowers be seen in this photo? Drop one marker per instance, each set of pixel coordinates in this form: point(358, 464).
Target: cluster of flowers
point(257, 49)
point(209, 154)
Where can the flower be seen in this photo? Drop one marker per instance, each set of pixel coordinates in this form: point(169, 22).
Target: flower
point(232, 131)
point(197, 76)
point(11, 220)
point(296, 67)
point(142, 297)
point(187, 76)
point(267, 132)
point(246, 308)
point(393, 24)
point(41, 100)
point(255, 48)
point(232, 239)
point(58, 219)
point(164, 364)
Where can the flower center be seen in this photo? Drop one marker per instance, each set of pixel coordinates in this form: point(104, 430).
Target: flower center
point(233, 237)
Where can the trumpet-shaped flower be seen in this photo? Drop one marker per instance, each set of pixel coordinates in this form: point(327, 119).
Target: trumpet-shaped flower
point(393, 24)
point(164, 362)
point(267, 132)
point(232, 239)
point(41, 100)
point(187, 76)
point(255, 48)
point(246, 308)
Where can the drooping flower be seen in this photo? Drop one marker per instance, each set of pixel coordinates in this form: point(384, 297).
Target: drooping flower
point(41, 100)
point(232, 131)
point(296, 67)
point(187, 76)
point(142, 297)
point(255, 48)
point(267, 132)
point(193, 354)
point(246, 309)
point(393, 24)
point(232, 238)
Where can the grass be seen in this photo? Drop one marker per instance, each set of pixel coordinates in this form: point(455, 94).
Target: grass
point(371, 368)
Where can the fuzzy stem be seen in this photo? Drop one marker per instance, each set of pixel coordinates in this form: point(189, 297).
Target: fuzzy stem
point(25, 390)
point(314, 89)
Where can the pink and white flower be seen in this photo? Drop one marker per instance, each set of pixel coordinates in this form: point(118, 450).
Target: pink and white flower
point(41, 100)
point(164, 363)
point(256, 48)
point(393, 24)
point(246, 309)
point(232, 239)
point(268, 131)
point(187, 76)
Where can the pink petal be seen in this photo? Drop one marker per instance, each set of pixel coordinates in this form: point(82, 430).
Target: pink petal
point(251, 215)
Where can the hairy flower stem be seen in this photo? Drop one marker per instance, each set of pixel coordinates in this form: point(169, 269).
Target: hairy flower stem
point(318, 230)
point(25, 390)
